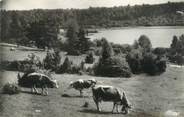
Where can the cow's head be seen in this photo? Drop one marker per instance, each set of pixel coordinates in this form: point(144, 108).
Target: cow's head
point(54, 84)
point(93, 82)
point(124, 103)
point(70, 85)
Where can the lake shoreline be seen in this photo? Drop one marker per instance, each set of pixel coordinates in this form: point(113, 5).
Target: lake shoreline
point(160, 36)
point(127, 27)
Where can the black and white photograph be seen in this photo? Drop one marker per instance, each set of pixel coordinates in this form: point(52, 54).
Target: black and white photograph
point(91, 58)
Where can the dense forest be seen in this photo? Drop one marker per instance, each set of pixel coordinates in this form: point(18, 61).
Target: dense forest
point(16, 24)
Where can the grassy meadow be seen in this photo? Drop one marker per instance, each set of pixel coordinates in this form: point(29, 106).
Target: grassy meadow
point(150, 96)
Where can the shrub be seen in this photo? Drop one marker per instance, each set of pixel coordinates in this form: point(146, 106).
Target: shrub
point(52, 60)
point(66, 67)
point(76, 70)
point(176, 51)
point(98, 51)
point(82, 66)
point(160, 51)
point(89, 58)
point(23, 65)
point(11, 88)
point(107, 50)
point(90, 71)
point(123, 48)
point(179, 59)
point(145, 43)
point(112, 67)
point(153, 64)
point(134, 59)
point(149, 63)
point(32, 63)
point(10, 65)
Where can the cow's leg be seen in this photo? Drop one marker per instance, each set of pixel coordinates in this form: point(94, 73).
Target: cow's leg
point(97, 105)
point(35, 89)
point(124, 109)
point(113, 107)
point(32, 89)
point(46, 90)
point(81, 93)
point(117, 109)
point(42, 90)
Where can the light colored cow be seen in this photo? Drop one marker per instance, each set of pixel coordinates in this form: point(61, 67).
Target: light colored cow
point(110, 94)
point(82, 84)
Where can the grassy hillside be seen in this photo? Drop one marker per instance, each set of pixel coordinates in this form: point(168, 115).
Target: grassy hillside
point(158, 96)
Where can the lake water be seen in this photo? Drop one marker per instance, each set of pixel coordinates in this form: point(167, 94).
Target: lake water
point(160, 36)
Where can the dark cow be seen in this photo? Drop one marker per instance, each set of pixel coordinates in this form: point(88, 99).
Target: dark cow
point(37, 80)
point(82, 84)
point(110, 94)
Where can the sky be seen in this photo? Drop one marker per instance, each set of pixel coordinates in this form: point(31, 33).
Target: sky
point(54, 4)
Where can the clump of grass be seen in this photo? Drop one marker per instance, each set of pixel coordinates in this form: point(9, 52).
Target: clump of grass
point(86, 105)
point(11, 88)
point(65, 95)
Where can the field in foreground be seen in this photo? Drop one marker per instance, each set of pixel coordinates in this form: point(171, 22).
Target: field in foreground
point(158, 96)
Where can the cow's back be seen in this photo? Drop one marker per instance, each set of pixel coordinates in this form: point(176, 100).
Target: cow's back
point(106, 93)
point(29, 81)
point(81, 84)
point(86, 84)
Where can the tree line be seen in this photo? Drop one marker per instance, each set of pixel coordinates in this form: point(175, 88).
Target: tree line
point(15, 24)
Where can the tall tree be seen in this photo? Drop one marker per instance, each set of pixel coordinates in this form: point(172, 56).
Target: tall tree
point(174, 42)
point(43, 33)
point(107, 50)
point(83, 41)
point(72, 35)
point(145, 43)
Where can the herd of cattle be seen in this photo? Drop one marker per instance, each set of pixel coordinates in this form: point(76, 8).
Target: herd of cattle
point(100, 92)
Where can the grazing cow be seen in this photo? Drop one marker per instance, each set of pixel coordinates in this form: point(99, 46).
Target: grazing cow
point(110, 94)
point(82, 84)
point(37, 80)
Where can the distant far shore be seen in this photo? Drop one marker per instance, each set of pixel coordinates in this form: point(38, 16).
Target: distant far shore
point(18, 47)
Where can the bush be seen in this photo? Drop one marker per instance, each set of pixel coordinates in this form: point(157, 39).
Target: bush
point(52, 60)
point(134, 59)
point(112, 67)
point(160, 51)
point(89, 58)
point(176, 51)
point(145, 43)
point(11, 88)
point(107, 50)
point(66, 67)
point(177, 59)
point(76, 70)
point(90, 71)
point(121, 49)
point(10, 65)
point(153, 64)
point(98, 51)
point(149, 63)
point(23, 65)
